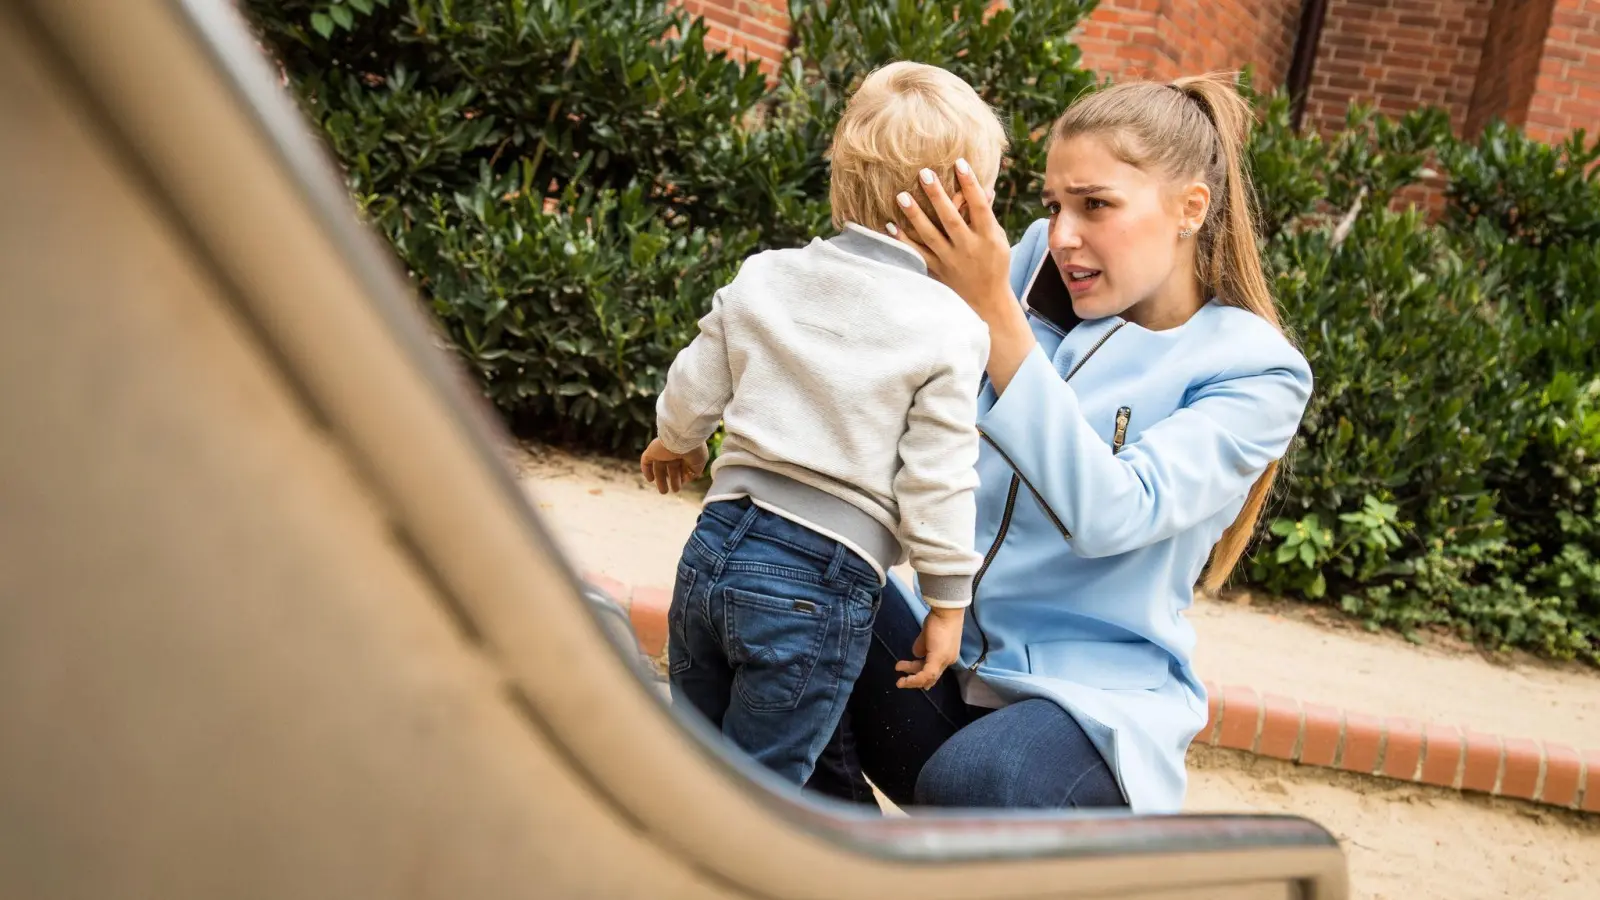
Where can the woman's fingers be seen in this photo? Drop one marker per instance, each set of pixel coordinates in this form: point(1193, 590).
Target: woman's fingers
point(979, 200)
point(904, 236)
point(919, 226)
point(943, 206)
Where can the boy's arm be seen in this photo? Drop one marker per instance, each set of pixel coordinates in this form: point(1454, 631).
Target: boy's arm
point(935, 487)
point(699, 386)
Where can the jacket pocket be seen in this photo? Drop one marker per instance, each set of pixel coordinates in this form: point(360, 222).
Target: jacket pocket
point(1112, 666)
point(774, 643)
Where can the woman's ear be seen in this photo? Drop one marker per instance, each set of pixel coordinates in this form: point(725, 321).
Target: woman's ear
point(1196, 205)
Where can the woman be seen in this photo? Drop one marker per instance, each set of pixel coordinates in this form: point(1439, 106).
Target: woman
point(1127, 442)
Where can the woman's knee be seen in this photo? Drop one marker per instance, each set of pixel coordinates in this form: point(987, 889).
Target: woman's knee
point(957, 776)
point(1028, 755)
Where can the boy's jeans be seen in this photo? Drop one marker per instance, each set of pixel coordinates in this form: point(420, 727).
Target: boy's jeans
point(768, 630)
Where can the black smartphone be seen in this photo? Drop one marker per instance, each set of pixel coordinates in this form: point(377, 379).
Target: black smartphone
point(1047, 296)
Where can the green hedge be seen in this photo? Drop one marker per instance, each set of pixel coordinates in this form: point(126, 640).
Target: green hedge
point(568, 180)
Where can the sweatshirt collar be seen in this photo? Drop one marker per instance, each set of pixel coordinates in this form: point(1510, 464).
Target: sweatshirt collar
point(878, 247)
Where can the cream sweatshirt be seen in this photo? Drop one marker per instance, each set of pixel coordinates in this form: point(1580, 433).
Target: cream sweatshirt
point(843, 367)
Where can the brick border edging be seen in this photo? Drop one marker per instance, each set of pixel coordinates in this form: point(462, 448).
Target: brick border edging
point(1311, 734)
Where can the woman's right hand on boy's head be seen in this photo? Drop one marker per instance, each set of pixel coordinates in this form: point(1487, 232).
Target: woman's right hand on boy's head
point(967, 248)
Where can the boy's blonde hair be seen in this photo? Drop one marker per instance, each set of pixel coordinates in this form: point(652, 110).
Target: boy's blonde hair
point(906, 117)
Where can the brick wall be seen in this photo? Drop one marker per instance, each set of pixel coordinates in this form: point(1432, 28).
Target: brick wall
point(1509, 67)
point(1533, 62)
point(749, 29)
point(1163, 39)
point(1567, 91)
point(1397, 55)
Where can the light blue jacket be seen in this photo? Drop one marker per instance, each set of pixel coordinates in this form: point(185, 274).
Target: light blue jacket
point(1094, 542)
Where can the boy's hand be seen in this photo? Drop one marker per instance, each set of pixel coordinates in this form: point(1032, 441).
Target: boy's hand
point(671, 471)
point(937, 647)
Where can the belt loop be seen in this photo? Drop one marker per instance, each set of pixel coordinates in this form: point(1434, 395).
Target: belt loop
point(742, 529)
point(836, 565)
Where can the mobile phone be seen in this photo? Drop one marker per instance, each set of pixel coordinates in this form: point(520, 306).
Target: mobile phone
point(1047, 296)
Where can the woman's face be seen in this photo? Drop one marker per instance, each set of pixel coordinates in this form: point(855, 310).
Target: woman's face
point(1114, 234)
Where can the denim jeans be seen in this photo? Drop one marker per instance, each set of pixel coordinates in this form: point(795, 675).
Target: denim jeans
point(769, 627)
point(929, 748)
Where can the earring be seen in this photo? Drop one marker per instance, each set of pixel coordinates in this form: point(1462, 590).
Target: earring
point(1185, 233)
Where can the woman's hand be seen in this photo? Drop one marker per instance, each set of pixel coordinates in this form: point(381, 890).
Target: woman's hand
point(967, 248)
point(967, 251)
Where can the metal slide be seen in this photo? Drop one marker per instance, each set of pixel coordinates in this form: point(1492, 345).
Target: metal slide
point(276, 621)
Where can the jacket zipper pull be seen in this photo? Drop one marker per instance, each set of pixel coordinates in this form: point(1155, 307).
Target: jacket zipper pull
point(1120, 435)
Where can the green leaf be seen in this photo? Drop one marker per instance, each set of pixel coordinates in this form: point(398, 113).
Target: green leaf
point(1318, 588)
point(341, 14)
point(1308, 556)
point(362, 6)
point(322, 24)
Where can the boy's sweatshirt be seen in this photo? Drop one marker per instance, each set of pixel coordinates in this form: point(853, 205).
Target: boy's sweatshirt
point(847, 382)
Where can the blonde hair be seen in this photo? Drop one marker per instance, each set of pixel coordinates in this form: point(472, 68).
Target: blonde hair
point(906, 117)
point(1197, 128)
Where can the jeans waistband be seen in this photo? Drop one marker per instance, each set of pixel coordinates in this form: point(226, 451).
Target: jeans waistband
point(742, 519)
point(811, 508)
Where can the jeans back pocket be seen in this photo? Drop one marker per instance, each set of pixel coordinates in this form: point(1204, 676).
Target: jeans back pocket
point(679, 659)
point(774, 642)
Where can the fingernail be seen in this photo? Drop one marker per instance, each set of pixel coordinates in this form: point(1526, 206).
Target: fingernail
point(927, 176)
point(893, 231)
point(904, 199)
point(962, 167)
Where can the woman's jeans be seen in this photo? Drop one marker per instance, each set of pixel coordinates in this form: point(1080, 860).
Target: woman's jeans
point(769, 626)
point(929, 748)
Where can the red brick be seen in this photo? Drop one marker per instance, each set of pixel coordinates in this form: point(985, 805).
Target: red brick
point(1323, 728)
point(717, 15)
point(1591, 787)
point(1443, 756)
point(1563, 771)
point(764, 32)
point(1483, 762)
point(649, 616)
point(1280, 726)
point(1241, 714)
point(1403, 749)
point(1523, 765)
point(1363, 737)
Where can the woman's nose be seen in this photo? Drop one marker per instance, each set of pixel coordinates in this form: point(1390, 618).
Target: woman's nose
point(1064, 234)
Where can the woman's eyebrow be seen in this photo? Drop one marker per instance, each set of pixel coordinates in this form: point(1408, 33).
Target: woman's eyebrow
point(1082, 190)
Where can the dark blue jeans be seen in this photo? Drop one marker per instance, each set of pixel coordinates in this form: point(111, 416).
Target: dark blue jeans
point(929, 748)
point(768, 629)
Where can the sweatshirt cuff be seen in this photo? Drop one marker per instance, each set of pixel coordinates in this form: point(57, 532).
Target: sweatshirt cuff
point(675, 442)
point(946, 591)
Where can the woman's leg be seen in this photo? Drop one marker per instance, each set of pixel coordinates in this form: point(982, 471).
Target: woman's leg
point(1029, 754)
point(887, 732)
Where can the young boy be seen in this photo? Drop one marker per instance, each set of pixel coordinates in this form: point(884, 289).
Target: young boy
point(847, 381)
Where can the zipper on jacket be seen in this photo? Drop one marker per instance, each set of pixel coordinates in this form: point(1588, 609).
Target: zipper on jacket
point(1011, 505)
point(1119, 435)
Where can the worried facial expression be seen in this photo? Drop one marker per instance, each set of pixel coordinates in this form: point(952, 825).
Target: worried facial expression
point(1115, 229)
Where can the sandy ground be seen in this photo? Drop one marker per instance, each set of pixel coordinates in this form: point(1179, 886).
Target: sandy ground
point(1402, 840)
